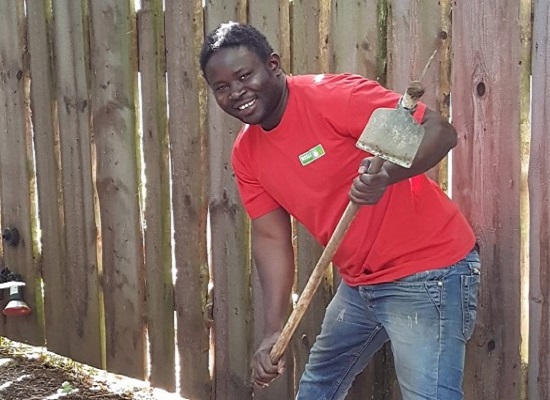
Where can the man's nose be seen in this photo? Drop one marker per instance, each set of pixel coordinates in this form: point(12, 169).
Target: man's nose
point(237, 90)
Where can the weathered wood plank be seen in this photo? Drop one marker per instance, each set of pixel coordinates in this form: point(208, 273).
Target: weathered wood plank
point(539, 190)
point(440, 173)
point(157, 214)
point(48, 176)
point(444, 57)
point(113, 60)
point(272, 19)
point(359, 45)
point(412, 38)
point(231, 260)
point(309, 43)
point(15, 173)
point(526, 32)
point(78, 285)
point(486, 184)
point(187, 136)
point(357, 39)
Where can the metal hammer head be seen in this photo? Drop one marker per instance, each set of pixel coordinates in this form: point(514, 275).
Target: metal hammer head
point(392, 134)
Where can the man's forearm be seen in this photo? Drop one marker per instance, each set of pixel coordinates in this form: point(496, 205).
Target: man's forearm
point(274, 258)
point(276, 302)
point(276, 282)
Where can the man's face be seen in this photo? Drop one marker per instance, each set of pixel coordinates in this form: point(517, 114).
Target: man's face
point(244, 86)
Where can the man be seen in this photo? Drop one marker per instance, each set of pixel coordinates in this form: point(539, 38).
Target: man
point(409, 268)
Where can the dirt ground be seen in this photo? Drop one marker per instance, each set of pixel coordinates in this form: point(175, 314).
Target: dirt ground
point(31, 375)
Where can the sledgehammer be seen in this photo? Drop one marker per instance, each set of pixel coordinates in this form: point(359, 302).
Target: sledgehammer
point(390, 135)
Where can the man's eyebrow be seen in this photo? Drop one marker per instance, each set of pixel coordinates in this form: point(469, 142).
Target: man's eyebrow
point(217, 83)
point(239, 71)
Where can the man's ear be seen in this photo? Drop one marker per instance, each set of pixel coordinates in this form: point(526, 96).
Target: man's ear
point(274, 63)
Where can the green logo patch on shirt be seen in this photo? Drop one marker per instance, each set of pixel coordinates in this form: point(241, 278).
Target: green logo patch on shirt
point(311, 155)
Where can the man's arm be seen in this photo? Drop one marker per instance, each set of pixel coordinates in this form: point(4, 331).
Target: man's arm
point(439, 138)
point(274, 258)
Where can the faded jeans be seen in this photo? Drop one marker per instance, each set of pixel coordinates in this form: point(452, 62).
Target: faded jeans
point(427, 317)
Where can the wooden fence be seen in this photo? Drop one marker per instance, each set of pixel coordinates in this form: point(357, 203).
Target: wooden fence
point(134, 246)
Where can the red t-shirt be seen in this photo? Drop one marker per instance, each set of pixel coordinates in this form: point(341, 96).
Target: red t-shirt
point(307, 163)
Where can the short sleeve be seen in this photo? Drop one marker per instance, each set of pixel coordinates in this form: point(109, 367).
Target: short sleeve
point(255, 199)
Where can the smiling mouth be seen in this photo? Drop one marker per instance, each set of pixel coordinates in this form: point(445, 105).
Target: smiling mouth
point(246, 105)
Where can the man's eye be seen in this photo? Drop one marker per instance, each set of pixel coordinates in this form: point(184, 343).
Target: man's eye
point(221, 88)
point(243, 77)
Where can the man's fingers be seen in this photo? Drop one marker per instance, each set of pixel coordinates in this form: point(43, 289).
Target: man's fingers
point(263, 379)
point(365, 197)
point(365, 164)
point(265, 371)
point(281, 366)
point(371, 179)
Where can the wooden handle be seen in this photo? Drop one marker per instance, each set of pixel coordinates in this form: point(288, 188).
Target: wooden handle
point(313, 282)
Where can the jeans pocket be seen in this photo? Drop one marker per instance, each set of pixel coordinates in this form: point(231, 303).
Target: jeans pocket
point(434, 290)
point(470, 288)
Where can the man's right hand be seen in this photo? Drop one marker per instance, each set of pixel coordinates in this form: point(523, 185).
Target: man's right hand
point(263, 369)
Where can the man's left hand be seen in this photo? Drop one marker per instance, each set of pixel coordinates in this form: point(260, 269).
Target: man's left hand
point(368, 189)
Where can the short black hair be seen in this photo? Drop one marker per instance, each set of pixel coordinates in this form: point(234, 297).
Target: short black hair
point(234, 34)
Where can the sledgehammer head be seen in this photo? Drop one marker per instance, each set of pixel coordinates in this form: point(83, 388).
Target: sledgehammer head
point(392, 134)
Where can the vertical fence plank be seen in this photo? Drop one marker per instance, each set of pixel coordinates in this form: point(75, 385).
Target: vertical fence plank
point(539, 190)
point(526, 32)
point(272, 19)
point(157, 215)
point(358, 45)
point(440, 173)
point(486, 184)
point(309, 44)
point(309, 41)
point(231, 265)
point(48, 175)
point(113, 57)
point(357, 39)
point(412, 38)
point(183, 27)
point(15, 173)
point(78, 285)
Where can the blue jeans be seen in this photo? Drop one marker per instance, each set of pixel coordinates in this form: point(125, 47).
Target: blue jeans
point(427, 317)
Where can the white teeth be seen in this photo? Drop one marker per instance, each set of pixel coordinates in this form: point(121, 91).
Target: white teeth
point(244, 106)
